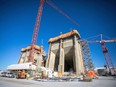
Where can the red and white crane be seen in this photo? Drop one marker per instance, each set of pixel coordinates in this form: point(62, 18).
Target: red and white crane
point(37, 25)
point(105, 51)
point(36, 30)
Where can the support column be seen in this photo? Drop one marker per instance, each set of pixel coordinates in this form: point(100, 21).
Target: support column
point(26, 57)
point(20, 59)
point(61, 58)
point(76, 57)
point(74, 63)
point(81, 58)
point(39, 60)
point(48, 59)
point(52, 61)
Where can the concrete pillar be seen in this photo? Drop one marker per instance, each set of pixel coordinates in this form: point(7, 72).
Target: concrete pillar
point(76, 56)
point(81, 58)
point(74, 63)
point(52, 60)
point(39, 59)
point(20, 59)
point(26, 57)
point(48, 59)
point(61, 58)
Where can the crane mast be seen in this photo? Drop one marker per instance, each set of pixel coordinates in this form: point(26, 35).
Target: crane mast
point(35, 33)
point(37, 25)
point(107, 58)
point(109, 62)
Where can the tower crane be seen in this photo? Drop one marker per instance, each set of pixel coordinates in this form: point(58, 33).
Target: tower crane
point(105, 51)
point(37, 25)
point(36, 30)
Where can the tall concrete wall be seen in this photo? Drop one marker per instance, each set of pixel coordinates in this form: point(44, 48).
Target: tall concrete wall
point(61, 58)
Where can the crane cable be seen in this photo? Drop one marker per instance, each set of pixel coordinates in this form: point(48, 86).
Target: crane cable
point(60, 11)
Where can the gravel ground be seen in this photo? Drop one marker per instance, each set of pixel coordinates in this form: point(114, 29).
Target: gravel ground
point(101, 82)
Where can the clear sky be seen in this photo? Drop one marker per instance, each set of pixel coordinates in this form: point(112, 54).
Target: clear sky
point(17, 20)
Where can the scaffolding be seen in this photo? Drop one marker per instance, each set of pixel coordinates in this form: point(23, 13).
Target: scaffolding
point(87, 59)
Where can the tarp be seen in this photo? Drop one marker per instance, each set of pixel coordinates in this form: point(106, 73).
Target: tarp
point(29, 47)
point(26, 66)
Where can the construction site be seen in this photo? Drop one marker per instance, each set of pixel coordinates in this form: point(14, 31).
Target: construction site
point(68, 58)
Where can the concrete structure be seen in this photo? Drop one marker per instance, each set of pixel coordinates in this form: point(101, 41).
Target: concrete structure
point(65, 53)
point(30, 67)
point(38, 55)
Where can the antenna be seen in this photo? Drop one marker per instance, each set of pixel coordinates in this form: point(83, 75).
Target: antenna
point(101, 37)
point(42, 43)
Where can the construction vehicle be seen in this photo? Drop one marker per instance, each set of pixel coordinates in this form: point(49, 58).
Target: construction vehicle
point(21, 74)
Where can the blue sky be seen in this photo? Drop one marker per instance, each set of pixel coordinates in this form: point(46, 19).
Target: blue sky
point(17, 20)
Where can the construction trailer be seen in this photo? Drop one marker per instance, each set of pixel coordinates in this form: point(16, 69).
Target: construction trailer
point(65, 54)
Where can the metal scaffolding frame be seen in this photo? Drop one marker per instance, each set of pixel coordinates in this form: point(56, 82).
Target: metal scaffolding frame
point(87, 59)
